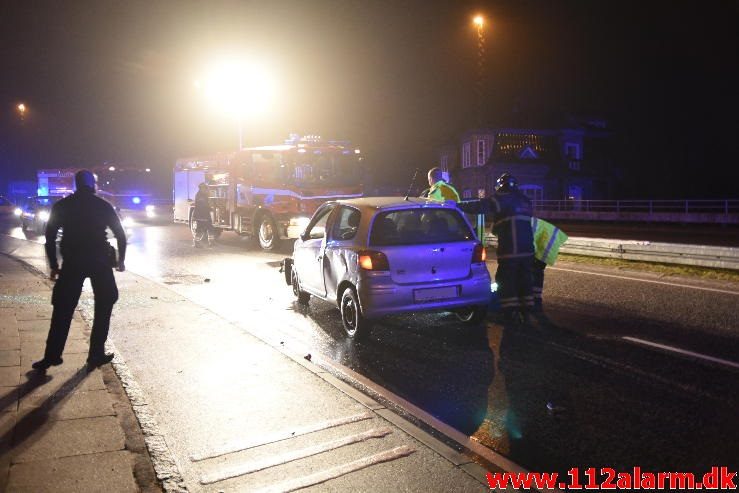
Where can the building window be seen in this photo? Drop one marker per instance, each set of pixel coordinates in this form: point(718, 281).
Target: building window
point(445, 163)
point(535, 193)
point(481, 152)
point(466, 193)
point(466, 158)
point(480, 193)
point(574, 165)
point(572, 151)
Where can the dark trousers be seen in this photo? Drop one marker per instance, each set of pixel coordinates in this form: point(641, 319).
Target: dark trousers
point(514, 284)
point(537, 275)
point(65, 297)
point(203, 230)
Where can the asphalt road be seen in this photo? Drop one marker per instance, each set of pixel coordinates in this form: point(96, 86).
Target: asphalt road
point(631, 369)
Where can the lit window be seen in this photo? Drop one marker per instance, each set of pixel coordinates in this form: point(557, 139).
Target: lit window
point(466, 193)
point(481, 152)
point(480, 193)
point(466, 157)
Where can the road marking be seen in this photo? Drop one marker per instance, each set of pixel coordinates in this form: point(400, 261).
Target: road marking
point(682, 351)
point(249, 467)
point(232, 447)
point(338, 471)
point(735, 293)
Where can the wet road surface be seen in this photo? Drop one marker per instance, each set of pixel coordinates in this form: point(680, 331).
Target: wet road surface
point(630, 369)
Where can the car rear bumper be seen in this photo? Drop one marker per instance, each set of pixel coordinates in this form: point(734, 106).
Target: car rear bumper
point(379, 295)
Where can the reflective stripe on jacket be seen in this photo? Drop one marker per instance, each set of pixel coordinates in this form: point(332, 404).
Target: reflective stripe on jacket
point(547, 240)
point(442, 191)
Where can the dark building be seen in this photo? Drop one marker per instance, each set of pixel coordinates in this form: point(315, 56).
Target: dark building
point(573, 162)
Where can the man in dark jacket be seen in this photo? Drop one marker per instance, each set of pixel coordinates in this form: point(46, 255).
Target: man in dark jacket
point(84, 219)
point(201, 216)
point(510, 211)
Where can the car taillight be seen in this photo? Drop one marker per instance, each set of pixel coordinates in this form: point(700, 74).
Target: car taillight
point(371, 260)
point(479, 254)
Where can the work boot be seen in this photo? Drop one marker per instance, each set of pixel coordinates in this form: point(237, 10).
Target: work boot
point(94, 362)
point(45, 363)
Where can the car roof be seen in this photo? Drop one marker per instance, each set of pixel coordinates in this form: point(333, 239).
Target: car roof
point(375, 204)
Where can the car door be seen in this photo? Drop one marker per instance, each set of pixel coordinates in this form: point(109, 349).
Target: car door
point(342, 231)
point(309, 256)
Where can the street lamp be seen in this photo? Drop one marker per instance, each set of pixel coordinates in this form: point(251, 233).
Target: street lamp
point(479, 22)
point(238, 89)
point(22, 110)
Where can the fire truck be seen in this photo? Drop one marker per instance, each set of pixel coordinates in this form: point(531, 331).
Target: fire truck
point(268, 193)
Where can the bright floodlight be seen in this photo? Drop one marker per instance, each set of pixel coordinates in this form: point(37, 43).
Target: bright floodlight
point(22, 108)
point(238, 89)
point(479, 21)
point(111, 168)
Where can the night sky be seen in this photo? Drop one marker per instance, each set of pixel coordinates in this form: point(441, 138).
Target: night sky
point(113, 81)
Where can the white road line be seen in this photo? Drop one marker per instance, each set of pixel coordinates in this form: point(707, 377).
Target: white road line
point(338, 471)
point(688, 286)
point(232, 447)
point(682, 351)
point(249, 467)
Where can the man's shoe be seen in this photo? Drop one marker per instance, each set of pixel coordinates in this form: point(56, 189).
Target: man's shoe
point(45, 363)
point(97, 361)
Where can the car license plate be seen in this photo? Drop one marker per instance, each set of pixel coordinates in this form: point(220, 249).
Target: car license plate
point(432, 294)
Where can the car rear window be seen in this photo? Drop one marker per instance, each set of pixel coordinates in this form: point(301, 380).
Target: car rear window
point(419, 226)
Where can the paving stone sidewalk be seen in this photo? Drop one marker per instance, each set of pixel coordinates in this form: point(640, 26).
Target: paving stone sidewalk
point(67, 430)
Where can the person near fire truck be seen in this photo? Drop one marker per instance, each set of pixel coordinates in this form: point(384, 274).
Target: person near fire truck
point(85, 251)
point(201, 216)
point(510, 211)
point(440, 189)
point(547, 240)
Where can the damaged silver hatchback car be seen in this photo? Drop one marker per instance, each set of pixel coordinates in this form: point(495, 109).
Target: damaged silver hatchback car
point(389, 255)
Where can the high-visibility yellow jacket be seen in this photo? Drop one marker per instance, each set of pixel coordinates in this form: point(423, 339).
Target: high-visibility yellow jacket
point(547, 240)
point(442, 191)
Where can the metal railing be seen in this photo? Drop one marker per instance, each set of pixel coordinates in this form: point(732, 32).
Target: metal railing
point(725, 206)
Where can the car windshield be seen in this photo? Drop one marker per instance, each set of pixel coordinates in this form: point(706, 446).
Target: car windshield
point(419, 226)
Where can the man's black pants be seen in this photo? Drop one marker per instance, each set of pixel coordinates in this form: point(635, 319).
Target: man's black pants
point(514, 284)
point(538, 281)
point(65, 297)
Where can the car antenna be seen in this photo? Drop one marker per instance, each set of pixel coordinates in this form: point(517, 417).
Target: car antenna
point(413, 182)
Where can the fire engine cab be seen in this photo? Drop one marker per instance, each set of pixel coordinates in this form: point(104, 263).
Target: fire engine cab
point(268, 193)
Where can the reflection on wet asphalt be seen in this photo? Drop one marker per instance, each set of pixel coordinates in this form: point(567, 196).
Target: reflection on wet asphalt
point(549, 397)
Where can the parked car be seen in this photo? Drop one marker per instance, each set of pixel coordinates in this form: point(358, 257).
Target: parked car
point(35, 213)
point(380, 256)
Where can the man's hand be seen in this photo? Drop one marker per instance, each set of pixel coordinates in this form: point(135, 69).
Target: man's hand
point(121, 266)
point(54, 274)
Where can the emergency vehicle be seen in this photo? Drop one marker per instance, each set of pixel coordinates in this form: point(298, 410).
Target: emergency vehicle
point(268, 193)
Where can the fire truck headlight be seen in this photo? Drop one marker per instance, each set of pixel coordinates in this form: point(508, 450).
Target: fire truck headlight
point(127, 222)
point(43, 215)
point(150, 212)
point(18, 211)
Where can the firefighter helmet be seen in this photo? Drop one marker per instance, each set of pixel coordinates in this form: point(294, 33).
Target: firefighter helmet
point(506, 183)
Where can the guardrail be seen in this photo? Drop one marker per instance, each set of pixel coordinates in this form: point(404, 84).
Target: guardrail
point(688, 211)
point(667, 253)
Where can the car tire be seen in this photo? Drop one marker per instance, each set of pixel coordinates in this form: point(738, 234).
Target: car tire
point(302, 296)
point(472, 314)
point(355, 325)
point(266, 233)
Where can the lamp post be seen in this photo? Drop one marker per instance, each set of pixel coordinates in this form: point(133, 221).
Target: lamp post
point(22, 111)
point(479, 22)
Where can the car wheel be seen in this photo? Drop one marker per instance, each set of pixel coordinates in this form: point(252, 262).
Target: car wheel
point(302, 296)
point(355, 325)
point(472, 314)
point(267, 233)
